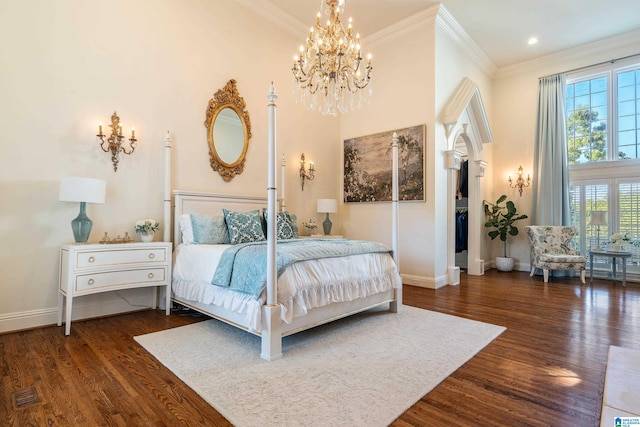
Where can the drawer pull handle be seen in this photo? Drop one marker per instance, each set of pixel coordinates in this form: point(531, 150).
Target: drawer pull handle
point(150, 275)
point(91, 259)
point(91, 281)
point(152, 255)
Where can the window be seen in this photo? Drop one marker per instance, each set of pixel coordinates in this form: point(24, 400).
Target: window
point(628, 114)
point(603, 143)
point(587, 120)
point(604, 123)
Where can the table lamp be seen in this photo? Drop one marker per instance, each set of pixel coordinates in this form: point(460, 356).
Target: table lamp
point(327, 206)
point(83, 190)
point(598, 218)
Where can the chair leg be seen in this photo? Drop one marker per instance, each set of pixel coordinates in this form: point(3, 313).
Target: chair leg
point(582, 276)
point(533, 271)
point(545, 274)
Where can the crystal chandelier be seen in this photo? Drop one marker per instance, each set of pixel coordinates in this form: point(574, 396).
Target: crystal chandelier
point(328, 74)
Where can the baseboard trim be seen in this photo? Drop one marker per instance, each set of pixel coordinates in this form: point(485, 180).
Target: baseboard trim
point(18, 321)
point(424, 282)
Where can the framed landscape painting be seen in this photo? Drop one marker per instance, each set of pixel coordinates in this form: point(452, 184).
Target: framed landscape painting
point(368, 166)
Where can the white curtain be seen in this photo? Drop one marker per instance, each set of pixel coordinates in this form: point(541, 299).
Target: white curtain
point(551, 177)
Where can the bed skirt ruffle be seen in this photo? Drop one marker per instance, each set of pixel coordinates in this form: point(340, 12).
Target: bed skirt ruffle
point(303, 286)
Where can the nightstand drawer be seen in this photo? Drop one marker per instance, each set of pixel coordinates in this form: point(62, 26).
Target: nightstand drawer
point(92, 259)
point(123, 278)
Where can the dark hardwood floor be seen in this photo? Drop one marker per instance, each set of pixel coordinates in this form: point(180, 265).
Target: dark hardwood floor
point(546, 369)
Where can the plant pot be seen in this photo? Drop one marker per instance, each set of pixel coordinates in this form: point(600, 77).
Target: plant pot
point(505, 263)
point(147, 236)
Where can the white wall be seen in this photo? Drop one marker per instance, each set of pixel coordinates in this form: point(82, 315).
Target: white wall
point(404, 81)
point(68, 65)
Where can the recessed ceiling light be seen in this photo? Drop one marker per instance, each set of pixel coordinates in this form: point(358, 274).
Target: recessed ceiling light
point(532, 41)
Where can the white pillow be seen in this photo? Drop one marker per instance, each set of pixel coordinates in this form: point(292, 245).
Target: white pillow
point(185, 228)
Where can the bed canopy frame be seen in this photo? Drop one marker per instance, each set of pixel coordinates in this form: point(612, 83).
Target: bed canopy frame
point(273, 328)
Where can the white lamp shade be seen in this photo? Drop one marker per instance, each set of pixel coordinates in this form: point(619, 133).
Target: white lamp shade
point(327, 206)
point(598, 218)
point(78, 189)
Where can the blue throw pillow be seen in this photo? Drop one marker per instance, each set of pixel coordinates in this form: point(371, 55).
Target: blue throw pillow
point(209, 230)
point(244, 227)
point(286, 226)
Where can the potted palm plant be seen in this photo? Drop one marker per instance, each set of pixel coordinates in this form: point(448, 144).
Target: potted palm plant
point(501, 217)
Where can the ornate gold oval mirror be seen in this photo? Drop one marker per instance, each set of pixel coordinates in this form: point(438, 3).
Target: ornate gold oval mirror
point(228, 131)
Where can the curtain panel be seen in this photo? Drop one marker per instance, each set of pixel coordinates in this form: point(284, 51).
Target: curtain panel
point(551, 178)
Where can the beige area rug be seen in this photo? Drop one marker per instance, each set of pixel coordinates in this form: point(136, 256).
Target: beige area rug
point(364, 370)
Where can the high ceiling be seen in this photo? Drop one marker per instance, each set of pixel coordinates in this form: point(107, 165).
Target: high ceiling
point(500, 27)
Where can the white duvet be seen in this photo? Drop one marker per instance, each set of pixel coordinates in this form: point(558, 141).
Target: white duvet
point(301, 287)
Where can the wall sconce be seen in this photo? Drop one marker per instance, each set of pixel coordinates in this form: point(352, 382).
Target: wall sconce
point(520, 183)
point(114, 143)
point(304, 174)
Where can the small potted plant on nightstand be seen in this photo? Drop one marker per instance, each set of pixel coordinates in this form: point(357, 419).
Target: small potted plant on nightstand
point(501, 217)
point(147, 228)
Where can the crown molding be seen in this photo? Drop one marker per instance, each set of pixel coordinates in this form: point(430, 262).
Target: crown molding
point(437, 14)
point(448, 24)
point(583, 55)
point(276, 15)
point(400, 28)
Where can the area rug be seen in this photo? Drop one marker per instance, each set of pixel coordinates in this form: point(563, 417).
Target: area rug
point(364, 370)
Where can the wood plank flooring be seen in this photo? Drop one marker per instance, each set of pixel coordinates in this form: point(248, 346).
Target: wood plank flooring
point(546, 369)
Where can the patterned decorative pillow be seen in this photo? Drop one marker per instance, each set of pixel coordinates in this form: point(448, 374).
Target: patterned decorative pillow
point(286, 225)
point(244, 226)
point(210, 230)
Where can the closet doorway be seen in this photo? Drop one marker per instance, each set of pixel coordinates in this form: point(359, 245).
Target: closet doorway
point(466, 215)
point(462, 208)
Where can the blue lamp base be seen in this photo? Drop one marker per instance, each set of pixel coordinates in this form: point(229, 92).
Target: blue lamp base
point(326, 225)
point(81, 225)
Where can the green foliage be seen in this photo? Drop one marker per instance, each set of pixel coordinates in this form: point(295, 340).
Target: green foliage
point(501, 218)
point(358, 184)
point(587, 137)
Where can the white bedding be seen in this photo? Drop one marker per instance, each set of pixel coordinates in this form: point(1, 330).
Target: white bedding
point(301, 287)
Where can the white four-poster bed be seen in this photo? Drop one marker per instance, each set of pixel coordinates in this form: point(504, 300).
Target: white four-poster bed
point(288, 304)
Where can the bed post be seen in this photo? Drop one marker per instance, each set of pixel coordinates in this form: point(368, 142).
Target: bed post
point(271, 331)
point(283, 180)
point(167, 188)
point(395, 305)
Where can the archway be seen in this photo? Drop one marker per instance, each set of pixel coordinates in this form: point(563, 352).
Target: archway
point(466, 124)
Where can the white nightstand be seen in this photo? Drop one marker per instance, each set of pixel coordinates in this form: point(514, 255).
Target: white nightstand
point(93, 268)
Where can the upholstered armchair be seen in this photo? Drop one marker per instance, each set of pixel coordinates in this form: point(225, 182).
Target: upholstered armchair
point(551, 250)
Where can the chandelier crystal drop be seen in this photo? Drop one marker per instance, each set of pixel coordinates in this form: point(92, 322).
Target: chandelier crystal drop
point(328, 74)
